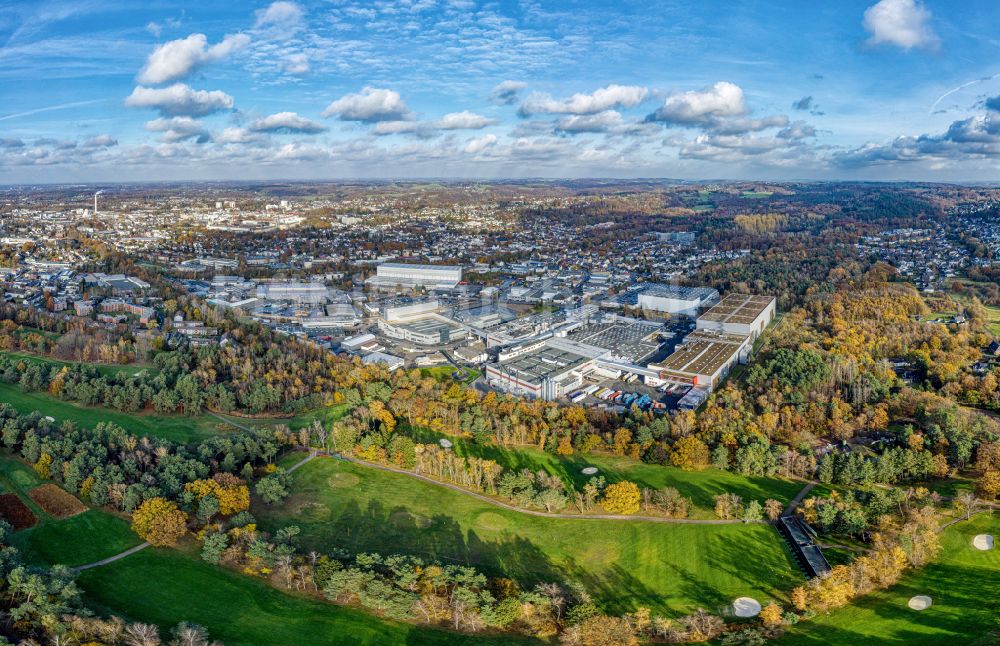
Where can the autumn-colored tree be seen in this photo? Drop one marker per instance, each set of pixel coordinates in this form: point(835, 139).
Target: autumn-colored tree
point(622, 498)
point(159, 521)
point(771, 614)
point(605, 631)
point(800, 598)
point(989, 484)
point(773, 509)
point(690, 454)
point(233, 495)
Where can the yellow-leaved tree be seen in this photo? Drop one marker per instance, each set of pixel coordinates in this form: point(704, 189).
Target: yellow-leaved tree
point(159, 521)
point(621, 498)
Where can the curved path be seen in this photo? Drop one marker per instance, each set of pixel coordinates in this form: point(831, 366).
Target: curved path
point(112, 559)
point(533, 512)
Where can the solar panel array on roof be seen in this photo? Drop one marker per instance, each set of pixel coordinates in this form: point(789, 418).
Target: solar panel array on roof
point(737, 308)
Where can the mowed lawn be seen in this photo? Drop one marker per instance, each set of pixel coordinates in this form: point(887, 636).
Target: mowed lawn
point(107, 369)
point(700, 486)
point(962, 583)
point(178, 428)
point(84, 538)
point(164, 587)
point(671, 568)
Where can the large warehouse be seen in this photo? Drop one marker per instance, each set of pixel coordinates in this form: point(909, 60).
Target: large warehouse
point(296, 292)
point(741, 314)
point(546, 371)
point(399, 274)
point(704, 358)
point(673, 299)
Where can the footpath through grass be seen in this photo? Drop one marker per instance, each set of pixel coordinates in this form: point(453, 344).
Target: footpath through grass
point(167, 586)
point(962, 583)
point(671, 568)
point(700, 486)
point(178, 428)
point(84, 538)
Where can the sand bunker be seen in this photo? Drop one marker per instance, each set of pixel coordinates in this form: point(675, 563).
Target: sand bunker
point(446, 444)
point(983, 542)
point(920, 602)
point(746, 607)
point(588, 471)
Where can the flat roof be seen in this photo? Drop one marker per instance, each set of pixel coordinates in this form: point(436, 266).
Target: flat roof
point(742, 309)
point(702, 354)
point(427, 325)
point(544, 362)
point(407, 265)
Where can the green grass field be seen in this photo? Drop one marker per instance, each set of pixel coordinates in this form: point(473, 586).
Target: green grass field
point(166, 586)
point(171, 427)
point(105, 369)
point(757, 194)
point(671, 568)
point(80, 539)
point(962, 584)
point(700, 486)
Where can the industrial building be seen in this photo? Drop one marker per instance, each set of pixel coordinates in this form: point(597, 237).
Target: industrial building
point(397, 274)
point(418, 321)
point(741, 314)
point(704, 358)
point(296, 292)
point(673, 299)
point(545, 371)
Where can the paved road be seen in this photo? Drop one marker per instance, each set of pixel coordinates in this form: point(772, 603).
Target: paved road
point(797, 500)
point(532, 512)
point(112, 559)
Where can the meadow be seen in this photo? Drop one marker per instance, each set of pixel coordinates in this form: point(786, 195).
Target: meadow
point(671, 568)
point(962, 583)
point(178, 428)
point(164, 586)
point(700, 486)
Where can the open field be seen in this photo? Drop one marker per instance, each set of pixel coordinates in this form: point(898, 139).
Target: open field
point(672, 568)
point(700, 486)
point(171, 427)
point(105, 369)
point(83, 538)
point(962, 584)
point(166, 586)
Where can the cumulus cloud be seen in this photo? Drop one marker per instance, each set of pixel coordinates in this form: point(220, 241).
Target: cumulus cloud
point(797, 130)
point(479, 144)
point(464, 120)
point(286, 122)
point(8, 142)
point(612, 96)
point(723, 99)
point(100, 141)
point(177, 129)
point(507, 92)
point(179, 100)
point(237, 136)
point(740, 125)
point(977, 137)
point(903, 23)
point(805, 103)
point(992, 103)
point(178, 58)
point(371, 105)
point(600, 122)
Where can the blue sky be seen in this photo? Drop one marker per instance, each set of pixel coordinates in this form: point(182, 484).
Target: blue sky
point(92, 90)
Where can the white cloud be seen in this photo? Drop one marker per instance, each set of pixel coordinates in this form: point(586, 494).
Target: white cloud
point(101, 141)
point(178, 58)
point(371, 105)
point(600, 122)
point(297, 64)
point(507, 92)
point(280, 18)
point(903, 23)
point(464, 120)
point(286, 122)
point(154, 28)
point(179, 100)
point(237, 136)
point(177, 129)
point(480, 144)
point(723, 99)
point(612, 96)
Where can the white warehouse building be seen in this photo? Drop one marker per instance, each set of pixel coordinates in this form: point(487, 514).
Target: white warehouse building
point(673, 299)
point(399, 274)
